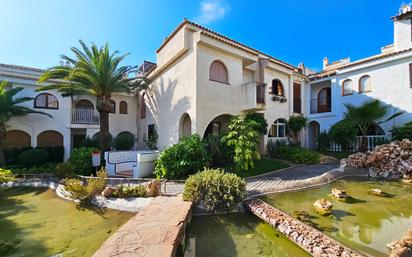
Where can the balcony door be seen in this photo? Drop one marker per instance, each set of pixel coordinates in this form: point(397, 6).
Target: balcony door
point(297, 102)
point(324, 100)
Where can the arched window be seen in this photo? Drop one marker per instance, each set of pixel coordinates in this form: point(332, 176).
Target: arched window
point(218, 72)
point(46, 101)
point(347, 87)
point(113, 110)
point(276, 88)
point(84, 104)
point(123, 107)
point(143, 107)
point(365, 84)
point(278, 129)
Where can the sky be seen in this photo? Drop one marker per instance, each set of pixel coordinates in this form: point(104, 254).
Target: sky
point(35, 33)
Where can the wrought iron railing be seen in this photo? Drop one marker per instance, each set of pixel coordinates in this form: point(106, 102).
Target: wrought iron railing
point(85, 116)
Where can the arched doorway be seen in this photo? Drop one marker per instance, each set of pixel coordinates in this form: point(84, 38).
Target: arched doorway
point(218, 125)
point(17, 139)
point(84, 104)
point(49, 138)
point(185, 126)
point(96, 137)
point(313, 131)
point(324, 100)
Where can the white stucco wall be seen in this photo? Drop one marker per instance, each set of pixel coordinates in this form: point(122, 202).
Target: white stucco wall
point(402, 34)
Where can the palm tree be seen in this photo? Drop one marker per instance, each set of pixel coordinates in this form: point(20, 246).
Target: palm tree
point(94, 71)
point(9, 107)
point(365, 115)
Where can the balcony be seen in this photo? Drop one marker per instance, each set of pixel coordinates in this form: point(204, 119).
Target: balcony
point(251, 96)
point(260, 93)
point(85, 116)
point(320, 105)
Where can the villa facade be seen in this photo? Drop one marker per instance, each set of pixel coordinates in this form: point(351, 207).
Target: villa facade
point(202, 78)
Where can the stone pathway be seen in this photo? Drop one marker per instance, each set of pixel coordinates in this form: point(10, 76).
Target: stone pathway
point(156, 231)
point(276, 181)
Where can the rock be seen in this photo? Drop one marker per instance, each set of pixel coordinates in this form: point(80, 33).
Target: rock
point(407, 181)
point(317, 251)
point(153, 188)
point(108, 191)
point(323, 206)
point(250, 236)
point(339, 194)
point(377, 192)
point(403, 247)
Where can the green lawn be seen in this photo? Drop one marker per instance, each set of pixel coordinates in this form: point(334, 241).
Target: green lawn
point(261, 166)
point(337, 155)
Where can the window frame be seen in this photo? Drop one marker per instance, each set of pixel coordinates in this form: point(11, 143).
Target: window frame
point(123, 102)
point(360, 85)
point(279, 123)
point(113, 110)
point(226, 70)
point(274, 91)
point(343, 87)
point(46, 102)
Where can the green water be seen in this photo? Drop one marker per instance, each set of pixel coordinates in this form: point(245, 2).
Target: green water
point(42, 224)
point(367, 223)
point(240, 234)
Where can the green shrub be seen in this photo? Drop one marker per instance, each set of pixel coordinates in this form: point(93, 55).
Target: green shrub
point(124, 141)
point(295, 154)
point(295, 125)
point(12, 154)
point(218, 151)
point(6, 176)
point(56, 153)
point(214, 189)
point(323, 141)
point(78, 190)
point(81, 159)
point(260, 124)
point(47, 168)
point(404, 132)
point(33, 157)
point(244, 140)
point(123, 191)
point(184, 158)
point(343, 133)
point(65, 170)
point(96, 185)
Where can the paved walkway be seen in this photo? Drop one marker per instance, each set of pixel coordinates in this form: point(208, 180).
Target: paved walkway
point(273, 182)
point(156, 231)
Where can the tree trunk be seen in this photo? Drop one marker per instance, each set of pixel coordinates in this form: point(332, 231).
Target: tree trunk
point(2, 139)
point(364, 144)
point(104, 132)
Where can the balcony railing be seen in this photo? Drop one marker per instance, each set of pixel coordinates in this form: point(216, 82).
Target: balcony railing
point(85, 116)
point(320, 105)
point(260, 93)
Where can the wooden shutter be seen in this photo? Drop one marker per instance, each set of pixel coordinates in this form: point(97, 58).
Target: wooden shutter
point(410, 75)
point(123, 107)
point(218, 72)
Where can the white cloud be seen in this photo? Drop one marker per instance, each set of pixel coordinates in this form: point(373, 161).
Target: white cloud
point(211, 10)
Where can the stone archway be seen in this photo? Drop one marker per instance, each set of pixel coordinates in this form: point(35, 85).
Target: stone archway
point(49, 138)
point(313, 134)
point(218, 125)
point(17, 139)
point(185, 126)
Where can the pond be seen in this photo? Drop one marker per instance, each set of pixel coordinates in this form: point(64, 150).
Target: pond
point(238, 234)
point(39, 223)
point(366, 223)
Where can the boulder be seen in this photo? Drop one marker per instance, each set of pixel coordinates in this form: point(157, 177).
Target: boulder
point(377, 192)
point(108, 191)
point(403, 247)
point(153, 188)
point(323, 206)
point(339, 194)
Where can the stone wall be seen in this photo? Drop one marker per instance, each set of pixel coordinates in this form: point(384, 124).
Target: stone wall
point(310, 239)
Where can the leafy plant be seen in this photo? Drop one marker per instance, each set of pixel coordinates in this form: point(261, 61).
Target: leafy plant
point(33, 157)
point(93, 71)
point(6, 176)
point(295, 125)
point(78, 190)
point(215, 189)
point(244, 140)
point(295, 154)
point(81, 159)
point(123, 191)
point(10, 107)
point(404, 132)
point(96, 185)
point(184, 158)
point(124, 141)
point(260, 124)
point(65, 170)
point(323, 141)
point(47, 168)
point(343, 133)
point(218, 151)
point(365, 115)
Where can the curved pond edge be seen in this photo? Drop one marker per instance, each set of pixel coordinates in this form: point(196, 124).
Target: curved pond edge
point(133, 204)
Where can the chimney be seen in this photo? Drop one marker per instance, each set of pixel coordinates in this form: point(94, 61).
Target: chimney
point(325, 62)
point(405, 8)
